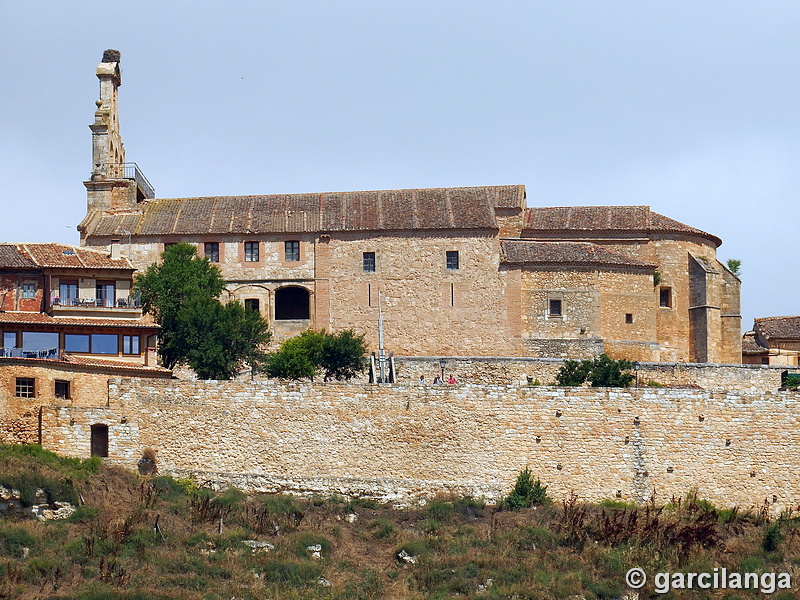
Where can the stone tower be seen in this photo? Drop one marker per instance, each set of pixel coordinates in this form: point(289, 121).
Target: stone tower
point(115, 185)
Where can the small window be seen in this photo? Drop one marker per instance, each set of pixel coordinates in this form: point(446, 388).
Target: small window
point(369, 261)
point(251, 252)
point(211, 251)
point(28, 290)
point(25, 387)
point(555, 308)
point(665, 297)
point(629, 317)
point(292, 250)
point(99, 440)
point(452, 259)
point(252, 304)
point(62, 389)
point(130, 344)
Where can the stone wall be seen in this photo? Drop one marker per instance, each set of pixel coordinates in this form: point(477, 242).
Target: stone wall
point(407, 442)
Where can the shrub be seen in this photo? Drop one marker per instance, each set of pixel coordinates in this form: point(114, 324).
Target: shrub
point(337, 356)
point(601, 371)
point(527, 492)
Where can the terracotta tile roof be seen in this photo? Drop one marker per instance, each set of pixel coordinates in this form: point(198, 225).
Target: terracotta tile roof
point(63, 256)
point(750, 346)
point(32, 318)
point(605, 219)
point(383, 210)
point(784, 328)
point(117, 367)
point(12, 258)
point(565, 253)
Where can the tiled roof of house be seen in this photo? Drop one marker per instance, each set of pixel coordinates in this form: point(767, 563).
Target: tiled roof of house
point(565, 253)
point(605, 219)
point(116, 367)
point(32, 318)
point(784, 328)
point(383, 210)
point(62, 256)
point(12, 258)
point(72, 257)
point(751, 346)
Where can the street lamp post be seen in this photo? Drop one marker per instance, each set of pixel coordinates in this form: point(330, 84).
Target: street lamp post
point(442, 365)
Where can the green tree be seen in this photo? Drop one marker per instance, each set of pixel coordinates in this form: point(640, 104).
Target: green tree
point(601, 371)
point(214, 339)
point(527, 492)
point(337, 356)
point(734, 266)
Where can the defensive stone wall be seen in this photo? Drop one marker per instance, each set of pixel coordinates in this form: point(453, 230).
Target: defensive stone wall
point(503, 371)
point(408, 442)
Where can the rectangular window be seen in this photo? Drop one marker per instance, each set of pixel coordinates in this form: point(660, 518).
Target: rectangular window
point(252, 304)
point(105, 293)
point(9, 340)
point(62, 389)
point(105, 343)
point(29, 290)
point(25, 387)
point(68, 292)
point(555, 308)
point(665, 297)
point(369, 261)
point(251, 251)
point(211, 251)
point(629, 317)
point(452, 259)
point(291, 251)
point(76, 342)
point(130, 344)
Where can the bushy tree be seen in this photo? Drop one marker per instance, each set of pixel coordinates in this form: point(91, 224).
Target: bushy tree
point(214, 339)
point(601, 371)
point(527, 492)
point(734, 266)
point(339, 356)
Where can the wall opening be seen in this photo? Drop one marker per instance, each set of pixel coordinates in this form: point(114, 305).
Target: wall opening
point(99, 440)
point(292, 303)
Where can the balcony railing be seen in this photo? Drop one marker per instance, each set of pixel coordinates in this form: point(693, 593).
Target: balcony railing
point(131, 171)
point(132, 302)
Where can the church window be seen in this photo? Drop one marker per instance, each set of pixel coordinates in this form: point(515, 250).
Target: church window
point(452, 259)
point(369, 261)
point(555, 307)
point(291, 250)
point(665, 297)
point(251, 251)
point(211, 251)
point(292, 303)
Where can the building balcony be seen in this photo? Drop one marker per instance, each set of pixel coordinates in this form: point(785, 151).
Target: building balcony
point(132, 172)
point(129, 308)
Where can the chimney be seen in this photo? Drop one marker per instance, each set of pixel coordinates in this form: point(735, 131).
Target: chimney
point(116, 250)
point(150, 358)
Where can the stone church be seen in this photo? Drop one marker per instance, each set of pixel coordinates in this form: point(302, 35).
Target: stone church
point(453, 272)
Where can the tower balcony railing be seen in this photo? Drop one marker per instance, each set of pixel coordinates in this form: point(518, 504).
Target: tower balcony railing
point(130, 170)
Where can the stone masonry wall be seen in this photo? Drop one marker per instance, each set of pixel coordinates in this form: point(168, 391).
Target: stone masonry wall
point(408, 442)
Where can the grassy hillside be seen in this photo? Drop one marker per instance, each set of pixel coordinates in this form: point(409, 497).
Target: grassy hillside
point(160, 538)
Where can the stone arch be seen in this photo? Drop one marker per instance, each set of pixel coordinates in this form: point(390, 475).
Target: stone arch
point(292, 303)
point(99, 445)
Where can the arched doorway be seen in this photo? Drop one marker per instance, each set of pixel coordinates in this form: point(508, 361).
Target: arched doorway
point(292, 303)
point(99, 440)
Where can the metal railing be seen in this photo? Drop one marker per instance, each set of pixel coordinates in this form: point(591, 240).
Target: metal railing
point(130, 302)
point(131, 171)
point(26, 353)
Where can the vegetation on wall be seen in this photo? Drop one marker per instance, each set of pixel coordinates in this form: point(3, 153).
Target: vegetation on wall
point(339, 356)
point(734, 266)
point(182, 294)
point(601, 371)
point(159, 538)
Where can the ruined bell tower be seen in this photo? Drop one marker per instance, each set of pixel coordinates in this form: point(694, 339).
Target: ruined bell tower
point(114, 185)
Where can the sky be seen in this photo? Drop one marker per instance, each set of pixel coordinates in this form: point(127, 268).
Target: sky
point(688, 107)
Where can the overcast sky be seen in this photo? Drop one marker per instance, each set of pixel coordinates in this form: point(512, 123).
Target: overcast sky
point(688, 107)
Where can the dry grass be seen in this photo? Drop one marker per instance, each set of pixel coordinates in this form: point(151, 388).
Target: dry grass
point(112, 550)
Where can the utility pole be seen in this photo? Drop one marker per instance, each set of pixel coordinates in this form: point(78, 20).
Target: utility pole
point(381, 351)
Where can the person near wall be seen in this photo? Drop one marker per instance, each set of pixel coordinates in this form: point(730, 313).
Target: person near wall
point(436, 380)
point(452, 379)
